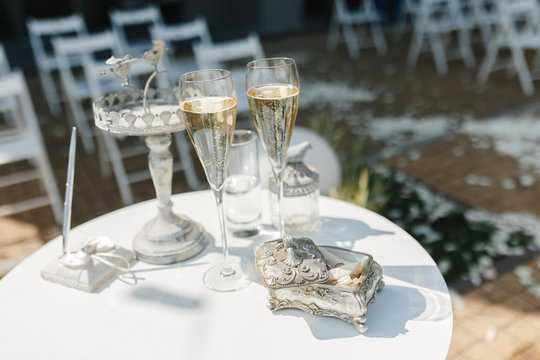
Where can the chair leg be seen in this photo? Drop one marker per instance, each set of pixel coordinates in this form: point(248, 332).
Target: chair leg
point(485, 32)
point(416, 45)
point(351, 41)
point(378, 38)
point(184, 150)
point(522, 69)
point(439, 54)
point(488, 63)
point(51, 94)
point(119, 169)
point(465, 48)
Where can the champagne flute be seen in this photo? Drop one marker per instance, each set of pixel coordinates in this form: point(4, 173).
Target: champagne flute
point(208, 103)
point(273, 88)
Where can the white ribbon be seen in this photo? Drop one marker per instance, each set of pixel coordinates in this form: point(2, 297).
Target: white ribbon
point(96, 248)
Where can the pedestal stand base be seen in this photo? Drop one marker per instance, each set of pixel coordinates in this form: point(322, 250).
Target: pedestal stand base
point(170, 243)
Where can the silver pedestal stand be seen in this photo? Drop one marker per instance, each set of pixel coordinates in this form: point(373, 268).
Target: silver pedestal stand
point(167, 238)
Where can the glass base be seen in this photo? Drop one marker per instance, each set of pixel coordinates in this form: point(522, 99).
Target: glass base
point(242, 233)
point(226, 277)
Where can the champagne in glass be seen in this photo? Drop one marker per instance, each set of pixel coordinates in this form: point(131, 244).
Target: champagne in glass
point(274, 109)
point(273, 88)
point(208, 122)
point(208, 102)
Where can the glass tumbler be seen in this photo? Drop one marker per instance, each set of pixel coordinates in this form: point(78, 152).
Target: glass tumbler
point(242, 198)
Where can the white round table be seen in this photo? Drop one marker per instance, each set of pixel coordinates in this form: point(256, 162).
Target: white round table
point(170, 314)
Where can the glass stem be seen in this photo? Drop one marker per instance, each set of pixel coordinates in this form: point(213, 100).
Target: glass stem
point(227, 269)
point(281, 220)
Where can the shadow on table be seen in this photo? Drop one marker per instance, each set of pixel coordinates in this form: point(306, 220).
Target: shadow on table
point(331, 231)
point(132, 278)
point(342, 232)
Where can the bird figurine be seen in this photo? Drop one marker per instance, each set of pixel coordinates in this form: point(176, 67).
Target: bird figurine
point(296, 153)
point(122, 68)
point(153, 57)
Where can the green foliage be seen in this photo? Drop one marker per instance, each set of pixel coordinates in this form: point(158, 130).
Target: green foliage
point(459, 246)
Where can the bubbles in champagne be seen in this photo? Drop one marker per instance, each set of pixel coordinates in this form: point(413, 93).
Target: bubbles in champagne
point(210, 124)
point(274, 108)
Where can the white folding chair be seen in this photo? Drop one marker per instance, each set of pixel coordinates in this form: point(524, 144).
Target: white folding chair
point(5, 104)
point(123, 20)
point(217, 55)
point(7, 121)
point(26, 144)
point(485, 17)
point(436, 22)
point(132, 28)
point(76, 80)
point(519, 30)
point(93, 86)
point(40, 33)
point(179, 34)
point(345, 18)
point(409, 11)
point(4, 63)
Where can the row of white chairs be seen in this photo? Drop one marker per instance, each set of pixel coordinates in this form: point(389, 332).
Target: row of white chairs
point(78, 57)
point(435, 22)
point(517, 31)
point(347, 20)
point(21, 141)
point(501, 24)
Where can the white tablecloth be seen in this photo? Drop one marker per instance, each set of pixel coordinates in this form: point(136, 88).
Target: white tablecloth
point(170, 314)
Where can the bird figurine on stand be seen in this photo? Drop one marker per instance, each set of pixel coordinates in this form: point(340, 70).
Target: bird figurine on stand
point(153, 57)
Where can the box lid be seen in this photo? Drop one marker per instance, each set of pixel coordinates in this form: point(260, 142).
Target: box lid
point(290, 262)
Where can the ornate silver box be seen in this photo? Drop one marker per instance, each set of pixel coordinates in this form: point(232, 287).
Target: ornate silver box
point(322, 280)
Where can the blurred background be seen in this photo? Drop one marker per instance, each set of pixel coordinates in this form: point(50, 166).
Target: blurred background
point(427, 107)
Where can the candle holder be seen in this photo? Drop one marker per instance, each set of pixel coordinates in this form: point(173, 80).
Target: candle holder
point(155, 114)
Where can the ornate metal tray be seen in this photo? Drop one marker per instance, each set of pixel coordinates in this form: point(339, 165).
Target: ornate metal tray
point(321, 280)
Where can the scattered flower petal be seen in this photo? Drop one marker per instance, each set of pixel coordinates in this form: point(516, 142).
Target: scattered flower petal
point(508, 184)
point(491, 334)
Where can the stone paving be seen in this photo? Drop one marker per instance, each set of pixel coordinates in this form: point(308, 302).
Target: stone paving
point(501, 318)
point(441, 169)
point(498, 320)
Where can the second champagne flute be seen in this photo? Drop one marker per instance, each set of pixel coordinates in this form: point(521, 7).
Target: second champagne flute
point(273, 87)
point(208, 102)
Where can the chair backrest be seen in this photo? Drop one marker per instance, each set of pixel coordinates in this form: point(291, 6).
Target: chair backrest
point(519, 18)
point(187, 31)
point(4, 63)
point(176, 36)
point(216, 55)
point(484, 9)
point(411, 7)
point(13, 86)
point(441, 15)
point(40, 30)
point(120, 19)
point(344, 13)
point(86, 47)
